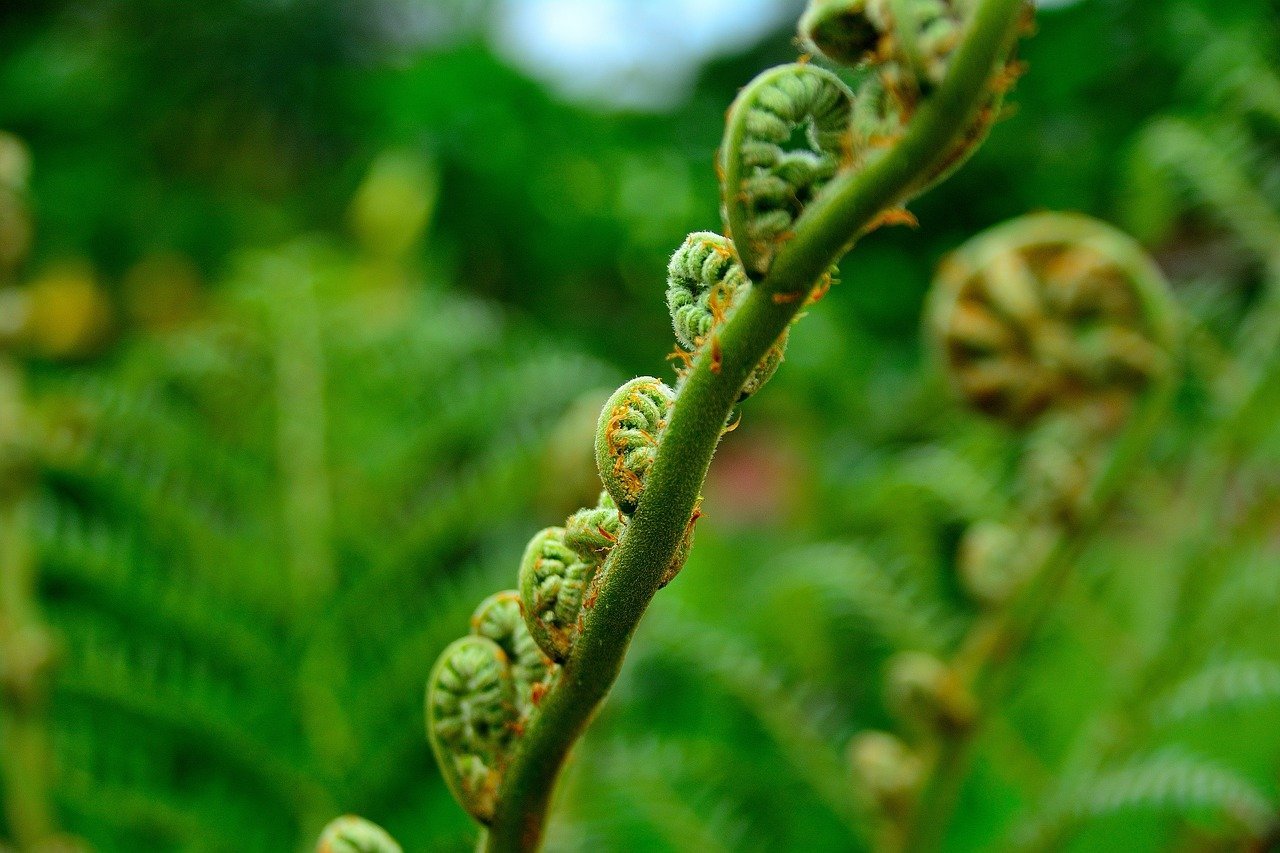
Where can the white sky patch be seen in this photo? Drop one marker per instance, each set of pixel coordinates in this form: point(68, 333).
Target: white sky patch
point(642, 54)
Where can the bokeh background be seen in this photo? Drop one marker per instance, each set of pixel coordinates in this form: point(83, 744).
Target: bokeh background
point(314, 304)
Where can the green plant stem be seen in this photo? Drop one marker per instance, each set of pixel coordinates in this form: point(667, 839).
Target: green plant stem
point(631, 577)
point(306, 514)
point(987, 662)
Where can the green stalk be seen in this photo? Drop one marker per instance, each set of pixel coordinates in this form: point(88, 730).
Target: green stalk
point(987, 663)
point(846, 209)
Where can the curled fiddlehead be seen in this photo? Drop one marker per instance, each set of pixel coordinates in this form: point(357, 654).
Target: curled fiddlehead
point(766, 183)
point(593, 532)
point(922, 34)
point(1050, 310)
point(627, 437)
point(847, 32)
point(704, 283)
point(924, 692)
point(553, 583)
point(352, 834)
point(991, 562)
point(1061, 463)
point(499, 618)
point(885, 770)
point(471, 712)
point(481, 692)
point(907, 46)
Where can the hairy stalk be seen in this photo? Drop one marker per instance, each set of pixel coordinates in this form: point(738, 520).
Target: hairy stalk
point(26, 648)
point(848, 207)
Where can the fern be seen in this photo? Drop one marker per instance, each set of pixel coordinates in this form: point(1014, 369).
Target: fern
point(876, 598)
point(788, 712)
point(242, 661)
point(1169, 781)
point(1221, 685)
point(684, 795)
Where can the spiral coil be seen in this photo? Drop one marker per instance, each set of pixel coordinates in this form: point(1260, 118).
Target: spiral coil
point(553, 583)
point(352, 834)
point(924, 692)
point(767, 183)
point(704, 283)
point(500, 618)
point(1050, 310)
point(593, 532)
point(920, 34)
point(885, 770)
point(471, 710)
point(627, 437)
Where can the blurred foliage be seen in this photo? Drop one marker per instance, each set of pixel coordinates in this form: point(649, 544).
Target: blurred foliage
point(272, 480)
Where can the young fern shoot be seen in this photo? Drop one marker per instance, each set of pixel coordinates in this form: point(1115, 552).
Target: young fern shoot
point(351, 834)
point(1060, 324)
point(506, 704)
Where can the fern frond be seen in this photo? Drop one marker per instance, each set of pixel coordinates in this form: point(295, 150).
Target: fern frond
point(792, 714)
point(1169, 781)
point(1203, 163)
point(879, 599)
point(89, 561)
point(110, 685)
point(192, 686)
point(1220, 685)
point(655, 774)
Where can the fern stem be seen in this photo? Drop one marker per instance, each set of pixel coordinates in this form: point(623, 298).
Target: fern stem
point(25, 648)
point(1118, 729)
point(988, 661)
point(634, 571)
point(306, 505)
point(301, 442)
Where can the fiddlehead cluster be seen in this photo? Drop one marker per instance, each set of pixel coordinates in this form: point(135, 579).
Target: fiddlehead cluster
point(797, 141)
point(351, 834)
point(482, 689)
point(704, 283)
point(486, 687)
